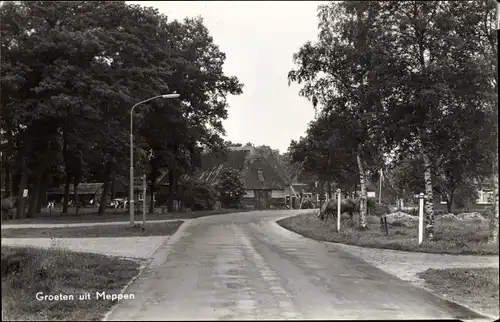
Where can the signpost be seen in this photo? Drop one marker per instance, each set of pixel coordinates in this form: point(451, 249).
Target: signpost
point(421, 219)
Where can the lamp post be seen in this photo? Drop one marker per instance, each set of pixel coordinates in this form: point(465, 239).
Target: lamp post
point(131, 184)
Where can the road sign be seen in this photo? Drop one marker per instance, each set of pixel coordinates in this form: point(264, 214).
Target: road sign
point(25, 193)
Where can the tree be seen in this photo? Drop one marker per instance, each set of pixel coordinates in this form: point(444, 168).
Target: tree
point(51, 53)
point(406, 74)
point(443, 81)
point(230, 187)
point(345, 72)
point(231, 144)
point(194, 124)
point(65, 64)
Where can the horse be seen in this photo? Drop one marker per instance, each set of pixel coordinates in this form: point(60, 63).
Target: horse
point(330, 208)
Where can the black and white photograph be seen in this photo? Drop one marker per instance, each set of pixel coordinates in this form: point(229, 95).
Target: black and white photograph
point(249, 160)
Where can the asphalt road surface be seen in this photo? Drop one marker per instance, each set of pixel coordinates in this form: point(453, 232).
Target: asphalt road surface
point(245, 266)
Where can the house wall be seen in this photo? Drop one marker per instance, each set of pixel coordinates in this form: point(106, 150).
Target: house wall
point(264, 199)
point(249, 194)
point(278, 194)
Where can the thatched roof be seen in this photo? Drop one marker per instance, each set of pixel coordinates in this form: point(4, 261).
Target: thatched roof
point(258, 171)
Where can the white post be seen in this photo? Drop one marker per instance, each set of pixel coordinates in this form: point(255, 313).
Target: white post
point(339, 196)
point(380, 188)
point(144, 201)
point(421, 219)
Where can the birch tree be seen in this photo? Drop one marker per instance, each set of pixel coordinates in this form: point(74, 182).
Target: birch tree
point(347, 70)
point(445, 84)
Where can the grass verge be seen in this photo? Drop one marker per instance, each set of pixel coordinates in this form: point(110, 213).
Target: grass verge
point(28, 271)
point(122, 230)
point(451, 237)
point(474, 287)
point(86, 217)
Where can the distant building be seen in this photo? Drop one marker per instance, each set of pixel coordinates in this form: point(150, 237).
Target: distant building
point(265, 181)
point(87, 191)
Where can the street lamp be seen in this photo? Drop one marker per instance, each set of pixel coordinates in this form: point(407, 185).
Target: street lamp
point(131, 184)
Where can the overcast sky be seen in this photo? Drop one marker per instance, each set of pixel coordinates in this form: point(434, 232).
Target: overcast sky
point(259, 39)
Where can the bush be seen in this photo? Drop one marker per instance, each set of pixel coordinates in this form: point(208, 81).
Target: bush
point(200, 197)
point(230, 187)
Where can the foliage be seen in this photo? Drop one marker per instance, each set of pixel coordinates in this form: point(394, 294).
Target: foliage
point(409, 77)
point(200, 196)
point(230, 187)
point(344, 72)
point(80, 66)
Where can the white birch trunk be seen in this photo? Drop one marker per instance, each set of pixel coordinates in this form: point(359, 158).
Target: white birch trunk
point(363, 200)
point(429, 198)
point(493, 231)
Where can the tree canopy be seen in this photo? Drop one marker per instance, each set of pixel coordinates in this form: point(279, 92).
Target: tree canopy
point(408, 79)
point(71, 71)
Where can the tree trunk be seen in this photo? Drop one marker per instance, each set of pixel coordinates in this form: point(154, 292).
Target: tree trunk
point(152, 198)
point(449, 200)
point(42, 194)
point(152, 188)
point(22, 185)
point(68, 176)
point(9, 189)
point(448, 205)
point(170, 201)
point(7, 177)
point(34, 195)
point(105, 189)
point(363, 224)
point(66, 194)
point(320, 192)
point(429, 198)
point(15, 180)
point(493, 228)
point(113, 188)
point(176, 191)
point(75, 196)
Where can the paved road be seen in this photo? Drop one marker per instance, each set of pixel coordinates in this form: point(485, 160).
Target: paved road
point(244, 266)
